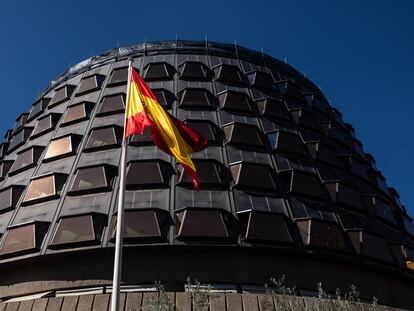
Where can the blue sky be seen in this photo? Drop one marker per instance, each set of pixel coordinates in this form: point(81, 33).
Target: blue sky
point(358, 52)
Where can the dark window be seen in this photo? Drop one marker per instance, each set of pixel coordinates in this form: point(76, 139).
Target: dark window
point(146, 225)
point(204, 225)
point(112, 104)
point(79, 231)
point(408, 225)
point(324, 153)
point(104, 138)
point(20, 121)
point(93, 179)
point(119, 76)
point(211, 175)
point(3, 149)
point(62, 147)
point(264, 227)
point(369, 245)
point(286, 142)
point(8, 134)
point(20, 138)
point(38, 107)
point(208, 129)
point(24, 239)
point(61, 94)
point(193, 70)
point(90, 84)
point(142, 140)
point(9, 197)
point(5, 168)
point(336, 133)
point(273, 109)
point(244, 136)
point(253, 177)
point(45, 124)
point(194, 98)
point(381, 208)
point(261, 80)
point(317, 103)
point(319, 234)
point(44, 188)
point(311, 209)
point(26, 159)
point(148, 174)
point(356, 167)
point(291, 89)
point(164, 97)
point(158, 71)
point(344, 194)
point(77, 112)
point(235, 102)
point(306, 119)
point(303, 183)
point(228, 74)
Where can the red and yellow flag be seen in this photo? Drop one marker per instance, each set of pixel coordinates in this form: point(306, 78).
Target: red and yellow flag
point(168, 133)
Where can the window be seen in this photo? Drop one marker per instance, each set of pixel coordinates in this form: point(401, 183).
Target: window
point(370, 245)
point(104, 138)
point(211, 175)
point(142, 140)
point(228, 74)
point(264, 227)
point(93, 179)
point(303, 184)
point(148, 174)
point(20, 138)
point(45, 124)
point(112, 104)
point(356, 167)
point(62, 94)
point(312, 209)
point(336, 133)
point(119, 76)
point(195, 98)
point(20, 121)
point(204, 225)
point(306, 119)
point(90, 84)
point(62, 147)
point(77, 113)
point(235, 102)
point(273, 109)
point(8, 135)
point(244, 136)
point(164, 97)
point(5, 168)
point(193, 70)
point(144, 225)
point(44, 188)
point(3, 149)
point(316, 102)
point(381, 208)
point(253, 177)
point(23, 239)
point(261, 80)
point(324, 153)
point(158, 71)
point(344, 194)
point(290, 89)
point(38, 107)
point(26, 159)
point(75, 231)
point(208, 129)
point(286, 142)
point(9, 197)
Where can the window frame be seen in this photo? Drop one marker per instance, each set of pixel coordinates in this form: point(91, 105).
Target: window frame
point(35, 154)
point(58, 182)
point(117, 132)
point(110, 173)
point(75, 140)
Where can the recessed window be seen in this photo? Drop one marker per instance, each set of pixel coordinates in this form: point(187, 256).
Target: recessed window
point(44, 188)
point(244, 136)
point(142, 140)
point(195, 98)
point(112, 104)
point(93, 179)
point(253, 177)
point(158, 71)
point(3, 149)
point(207, 129)
point(62, 94)
point(228, 74)
point(336, 133)
point(104, 138)
point(273, 109)
point(381, 208)
point(38, 107)
point(290, 89)
point(5, 168)
point(306, 119)
point(286, 142)
point(237, 102)
point(261, 80)
point(144, 225)
point(193, 70)
point(370, 245)
point(356, 167)
point(204, 225)
point(324, 153)
point(8, 134)
point(20, 138)
point(344, 194)
point(148, 174)
point(211, 175)
point(20, 121)
point(9, 197)
point(303, 183)
point(90, 84)
point(119, 76)
point(316, 102)
point(311, 209)
point(23, 239)
point(77, 113)
point(26, 159)
point(164, 97)
point(45, 124)
point(62, 147)
point(76, 231)
point(264, 227)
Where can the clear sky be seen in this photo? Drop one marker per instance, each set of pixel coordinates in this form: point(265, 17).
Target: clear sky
point(359, 52)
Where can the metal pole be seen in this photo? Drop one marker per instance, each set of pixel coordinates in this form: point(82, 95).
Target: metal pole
point(116, 282)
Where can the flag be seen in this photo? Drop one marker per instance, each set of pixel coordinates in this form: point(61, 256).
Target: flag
point(168, 133)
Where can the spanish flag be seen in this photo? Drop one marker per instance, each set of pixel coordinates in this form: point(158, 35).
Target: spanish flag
point(168, 133)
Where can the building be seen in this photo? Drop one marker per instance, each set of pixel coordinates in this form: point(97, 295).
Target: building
point(286, 187)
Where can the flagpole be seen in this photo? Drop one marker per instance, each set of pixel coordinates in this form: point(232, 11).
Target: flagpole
point(116, 282)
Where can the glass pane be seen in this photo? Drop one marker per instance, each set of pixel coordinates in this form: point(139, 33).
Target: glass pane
point(74, 113)
point(40, 188)
point(23, 159)
point(18, 239)
point(141, 224)
point(42, 125)
point(101, 137)
point(203, 223)
point(59, 147)
point(89, 178)
point(74, 229)
point(5, 199)
point(119, 75)
point(88, 84)
point(112, 104)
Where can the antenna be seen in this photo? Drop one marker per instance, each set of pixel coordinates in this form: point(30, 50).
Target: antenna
point(237, 51)
point(285, 60)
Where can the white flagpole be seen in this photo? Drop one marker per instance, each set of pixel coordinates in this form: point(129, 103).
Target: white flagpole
point(116, 282)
